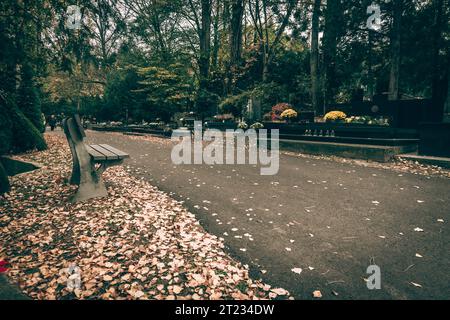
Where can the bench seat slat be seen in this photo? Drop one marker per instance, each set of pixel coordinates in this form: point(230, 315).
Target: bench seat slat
point(108, 154)
point(95, 154)
point(120, 154)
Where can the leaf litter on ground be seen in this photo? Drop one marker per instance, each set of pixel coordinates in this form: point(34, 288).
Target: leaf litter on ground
point(137, 243)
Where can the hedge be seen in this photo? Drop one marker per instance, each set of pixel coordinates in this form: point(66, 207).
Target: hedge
point(25, 135)
point(4, 183)
point(5, 130)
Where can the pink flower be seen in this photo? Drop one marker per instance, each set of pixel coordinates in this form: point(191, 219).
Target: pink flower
point(3, 264)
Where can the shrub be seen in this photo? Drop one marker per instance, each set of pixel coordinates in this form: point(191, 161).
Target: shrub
point(28, 98)
point(206, 103)
point(267, 116)
point(5, 127)
point(289, 114)
point(269, 94)
point(25, 135)
point(278, 109)
point(235, 104)
point(335, 116)
point(4, 183)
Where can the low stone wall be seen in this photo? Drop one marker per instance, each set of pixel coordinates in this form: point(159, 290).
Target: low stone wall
point(352, 151)
point(131, 129)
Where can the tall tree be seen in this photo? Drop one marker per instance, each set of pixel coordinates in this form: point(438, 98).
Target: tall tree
point(441, 63)
point(107, 19)
point(314, 60)
point(263, 20)
point(236, 24)
point(330, 41)
point(28, 97)
point(396, 32)
point(218, 16)
point(155, 22)
point(237, 13)
point(205, 42)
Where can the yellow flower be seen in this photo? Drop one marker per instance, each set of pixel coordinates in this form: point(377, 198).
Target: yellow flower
point(289, 114)
point(335, 116)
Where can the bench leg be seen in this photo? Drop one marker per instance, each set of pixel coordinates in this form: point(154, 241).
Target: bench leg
point(91, 185)
point(88, 191)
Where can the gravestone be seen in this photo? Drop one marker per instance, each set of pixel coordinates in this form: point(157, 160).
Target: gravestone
point(435, 139)
point(254, 109)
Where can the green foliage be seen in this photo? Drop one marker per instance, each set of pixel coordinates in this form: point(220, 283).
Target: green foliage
point(5, 127)
point(167, 91)
point(61, 106)
point(119, 97)
point(17, 133)
point(206, 103)
point(270, 94)
point(28, 98)
point(147, 66)
point(235, 104)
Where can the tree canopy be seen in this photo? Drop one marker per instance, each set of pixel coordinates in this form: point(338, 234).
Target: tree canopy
point(151, 59)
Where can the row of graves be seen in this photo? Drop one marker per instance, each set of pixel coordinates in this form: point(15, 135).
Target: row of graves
point(376, 130)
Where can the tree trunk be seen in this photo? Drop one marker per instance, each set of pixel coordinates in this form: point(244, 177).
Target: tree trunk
point(330, 48)
point(216, 41)
point(370, 73)
point(237, 13)
point(447, 103)
point(440, 67)
point(314, 60)
point(205, 43)
point(265, 67)
point(266, 44)
point(394, 78)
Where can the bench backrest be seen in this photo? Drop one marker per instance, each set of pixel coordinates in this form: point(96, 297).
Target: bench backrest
point(73, 128)
point(79, 125)
point(75, 136)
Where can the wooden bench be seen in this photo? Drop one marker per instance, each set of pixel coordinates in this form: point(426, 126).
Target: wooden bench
point(89, 161)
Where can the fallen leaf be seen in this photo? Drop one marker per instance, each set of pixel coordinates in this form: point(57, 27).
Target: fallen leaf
point(177, 289)
point(280, 291)
point(317, 294)
point(297, 270)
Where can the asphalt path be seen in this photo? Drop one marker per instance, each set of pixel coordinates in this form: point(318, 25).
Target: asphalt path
point(330, 219)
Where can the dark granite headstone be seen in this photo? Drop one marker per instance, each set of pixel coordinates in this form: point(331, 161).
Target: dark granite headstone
point(435, 139)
